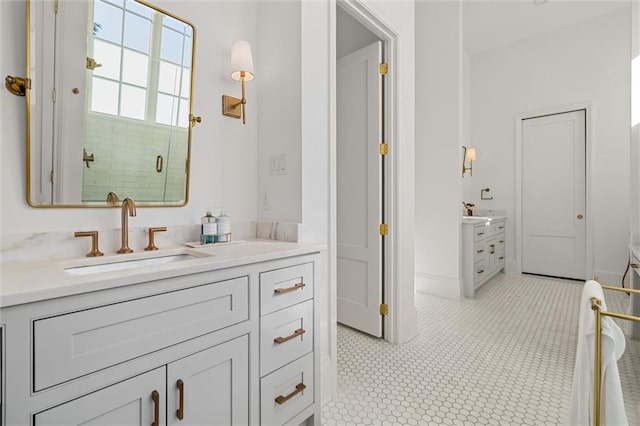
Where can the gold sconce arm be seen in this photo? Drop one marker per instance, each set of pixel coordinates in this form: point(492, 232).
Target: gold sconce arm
point(17, 85)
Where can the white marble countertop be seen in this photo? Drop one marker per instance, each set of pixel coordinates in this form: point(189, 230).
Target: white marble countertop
point(25, 282)
point(635, 251)
point(475, 220)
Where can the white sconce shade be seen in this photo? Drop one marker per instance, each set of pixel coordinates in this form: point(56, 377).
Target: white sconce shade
point(471, 154)
point(241, 60)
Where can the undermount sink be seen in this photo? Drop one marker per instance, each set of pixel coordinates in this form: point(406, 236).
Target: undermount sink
point(128, 264)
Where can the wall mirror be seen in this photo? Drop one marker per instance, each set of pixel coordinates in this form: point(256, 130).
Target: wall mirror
point(109, 110)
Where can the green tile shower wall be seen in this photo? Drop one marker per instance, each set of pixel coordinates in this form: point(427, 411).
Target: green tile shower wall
point(125, 160)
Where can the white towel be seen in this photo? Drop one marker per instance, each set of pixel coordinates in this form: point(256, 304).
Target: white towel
point(612, 411)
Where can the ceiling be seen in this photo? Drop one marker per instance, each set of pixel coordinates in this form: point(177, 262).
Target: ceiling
point(492, 24)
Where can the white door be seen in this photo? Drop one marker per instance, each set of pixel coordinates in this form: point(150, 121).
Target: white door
point(359, 183)
point(210, 387)
point(131, 402)
point(553, 195)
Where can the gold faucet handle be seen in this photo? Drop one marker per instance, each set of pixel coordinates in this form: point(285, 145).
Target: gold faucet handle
point(94, 242)
point(152, 232)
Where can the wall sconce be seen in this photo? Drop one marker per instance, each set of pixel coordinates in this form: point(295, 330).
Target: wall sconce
point(470, 156)
point(241, 70)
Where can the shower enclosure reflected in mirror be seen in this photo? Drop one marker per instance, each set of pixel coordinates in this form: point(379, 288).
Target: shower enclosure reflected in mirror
point(109, 108)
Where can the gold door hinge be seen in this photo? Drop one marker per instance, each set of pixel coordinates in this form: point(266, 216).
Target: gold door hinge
point(384, 148)
point(55, 6)
point(384, 68)
point(51, 176)
point(384, 309)
point(384, 229)
point(53, 95)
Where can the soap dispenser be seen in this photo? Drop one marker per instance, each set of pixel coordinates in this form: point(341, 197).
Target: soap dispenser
point(208, 228)
point(224, 228)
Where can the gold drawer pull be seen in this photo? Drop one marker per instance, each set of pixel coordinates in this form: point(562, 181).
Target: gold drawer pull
point(635, 265)
point(180, 411)
point(282, 399)
point(481, 271)
point(501, 241)
point(288, 289)
point(501, 258)
point(298, 332)
point(155, 396)
point(480, 251)
point(480, 233)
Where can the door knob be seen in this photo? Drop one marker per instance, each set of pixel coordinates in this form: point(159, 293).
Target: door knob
point(580, 216)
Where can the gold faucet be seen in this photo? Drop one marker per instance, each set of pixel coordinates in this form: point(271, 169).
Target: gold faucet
point(128, 208)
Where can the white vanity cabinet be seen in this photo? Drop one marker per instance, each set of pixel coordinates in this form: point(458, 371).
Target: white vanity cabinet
point(229, 346)
point(483, 252)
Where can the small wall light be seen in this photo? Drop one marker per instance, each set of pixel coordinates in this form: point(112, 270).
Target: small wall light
point(470, 156)
point(241, 70)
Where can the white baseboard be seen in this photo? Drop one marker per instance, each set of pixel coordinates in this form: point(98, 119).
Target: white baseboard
point(439, 286)
point(609, 278)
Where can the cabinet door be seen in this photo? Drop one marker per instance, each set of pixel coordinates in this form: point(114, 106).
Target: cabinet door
point(210, 387)
point(126, 403)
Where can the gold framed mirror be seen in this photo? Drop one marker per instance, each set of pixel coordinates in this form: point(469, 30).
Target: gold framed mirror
point(109, 104)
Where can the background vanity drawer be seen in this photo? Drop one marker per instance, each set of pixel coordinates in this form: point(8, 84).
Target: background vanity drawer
point(78, 343)
point(480, 233)
point(285, 287)
point(480, 271)
point(281, 396)
point(479, 251)
point(285, 325)
point(500, 258)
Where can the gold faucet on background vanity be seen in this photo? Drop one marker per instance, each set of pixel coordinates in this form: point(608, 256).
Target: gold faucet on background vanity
point(128, 209)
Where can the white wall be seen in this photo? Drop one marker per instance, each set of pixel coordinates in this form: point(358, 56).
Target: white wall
point(279, 103)
point(224, 154)
point(588, 62)
point(635, 135)
point(439, 104)
point(351, 34)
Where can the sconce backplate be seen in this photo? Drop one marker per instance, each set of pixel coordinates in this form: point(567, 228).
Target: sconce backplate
point(231, 107)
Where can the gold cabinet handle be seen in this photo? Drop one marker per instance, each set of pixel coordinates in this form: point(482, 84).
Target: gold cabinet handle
point(501, 241)
point(282, 399)
point(481, 271)
point(501, 258)
point(635, 265)
point(155, 396)
point(288, 289)
point(480, 251)
point(298, 332)
point(180, 411)
point(580, 216)
point(480, 233)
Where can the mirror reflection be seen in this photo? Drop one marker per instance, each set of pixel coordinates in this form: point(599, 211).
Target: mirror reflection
point(117, 123)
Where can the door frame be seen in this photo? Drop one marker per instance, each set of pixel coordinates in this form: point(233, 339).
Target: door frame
point(589, 120)
point(376, 24)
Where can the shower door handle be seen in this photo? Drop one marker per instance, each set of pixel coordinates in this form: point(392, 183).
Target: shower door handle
point(159, 163)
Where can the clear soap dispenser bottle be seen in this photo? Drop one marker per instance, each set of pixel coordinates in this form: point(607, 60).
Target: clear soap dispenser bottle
point(208, 228)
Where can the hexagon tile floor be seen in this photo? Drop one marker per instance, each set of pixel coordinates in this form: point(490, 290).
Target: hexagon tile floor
point(504, 358)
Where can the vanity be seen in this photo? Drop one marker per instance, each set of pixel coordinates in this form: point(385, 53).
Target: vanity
point(483, 250)
point(223, 335)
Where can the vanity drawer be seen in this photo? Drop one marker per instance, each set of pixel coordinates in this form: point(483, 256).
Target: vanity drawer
point(479, 251)
point(480, 233)
point(293, 329)
point(78, 343)
point(285, 287)
point(500, 258)
point(287, 391)
point(480, 271)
